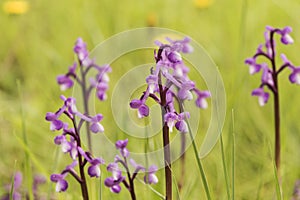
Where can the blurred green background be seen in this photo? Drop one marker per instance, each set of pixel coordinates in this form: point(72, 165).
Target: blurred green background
point(37, 45)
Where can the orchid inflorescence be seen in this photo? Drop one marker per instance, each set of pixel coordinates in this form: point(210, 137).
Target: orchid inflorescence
point(269, 78)
point(70, 138)
point(270, 74)
point(117, 177)
point(167, 85)
point(177, 87)
point(99, 82)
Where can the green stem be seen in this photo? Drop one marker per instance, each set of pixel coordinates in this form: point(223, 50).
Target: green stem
point(224, 167)
point(201, 170)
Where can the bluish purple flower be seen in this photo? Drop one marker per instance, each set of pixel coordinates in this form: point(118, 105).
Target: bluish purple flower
point(152, 83)
point(253, 66)
point(65, 82)
point(55, 124)
point(143, 109)
point(94, 169)
point(185, 90)
point(170, 118)
point(150, 177)
point(114, 182)
point(176, 85)
point(121, 145)
point(174, 57)
point(295, 75)
point(263, 96)
point(267, 77)
point(201, 98)
point(285, 36)
point(80, 49)
point(61, 184)
point(181, 45)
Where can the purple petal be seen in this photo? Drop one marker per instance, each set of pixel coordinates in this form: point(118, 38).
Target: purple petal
point(135, 103)
point(170, 119)
point(181, 126)
point(61, 185)
point(120, 144)
point(72, 68)
point(50, 116)
point(124, 152)
point(96, 128)
point(65, 82)
point(285, 36)
point(56, 177)
point(94, 171)
point(201, 100)
point(80, 49)
point(115, 189)
point(151, 179)
point(97, 118)
point(174, 57)
point(295, 76)
point(262, 96)
point(59, 139)
point(109, 182)
point(253, 66)
point(102, 96)
point(187, 48)
point(56, 125)
point(97, 161)
point(143, 111)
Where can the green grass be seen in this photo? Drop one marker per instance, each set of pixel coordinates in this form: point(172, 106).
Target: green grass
point(37, 46)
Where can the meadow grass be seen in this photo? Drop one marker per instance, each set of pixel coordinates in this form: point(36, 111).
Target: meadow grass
point(37, 46)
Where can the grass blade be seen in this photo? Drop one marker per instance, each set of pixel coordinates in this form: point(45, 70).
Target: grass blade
point(277, 184)
point(225, 168)
point(12, 184)
point(152, 189)
point(233, 155)
point(28, 170)
point(201, 170)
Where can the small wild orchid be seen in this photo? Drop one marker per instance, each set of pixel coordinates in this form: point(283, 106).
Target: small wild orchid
point(70, 137)
point(169, 83)
point(269, 75)
point(120, 164)
point(178, 86)
point(99, 83)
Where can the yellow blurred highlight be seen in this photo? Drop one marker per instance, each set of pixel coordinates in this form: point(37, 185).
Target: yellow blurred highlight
point(15, 7)
point(203, 3)
point(152, 20)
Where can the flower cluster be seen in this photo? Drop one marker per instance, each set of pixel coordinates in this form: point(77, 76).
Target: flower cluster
point(177, 85)
point(270, 74)
point(117, 177)
point(70, 141)
point(70, 137)
point(99, 82)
